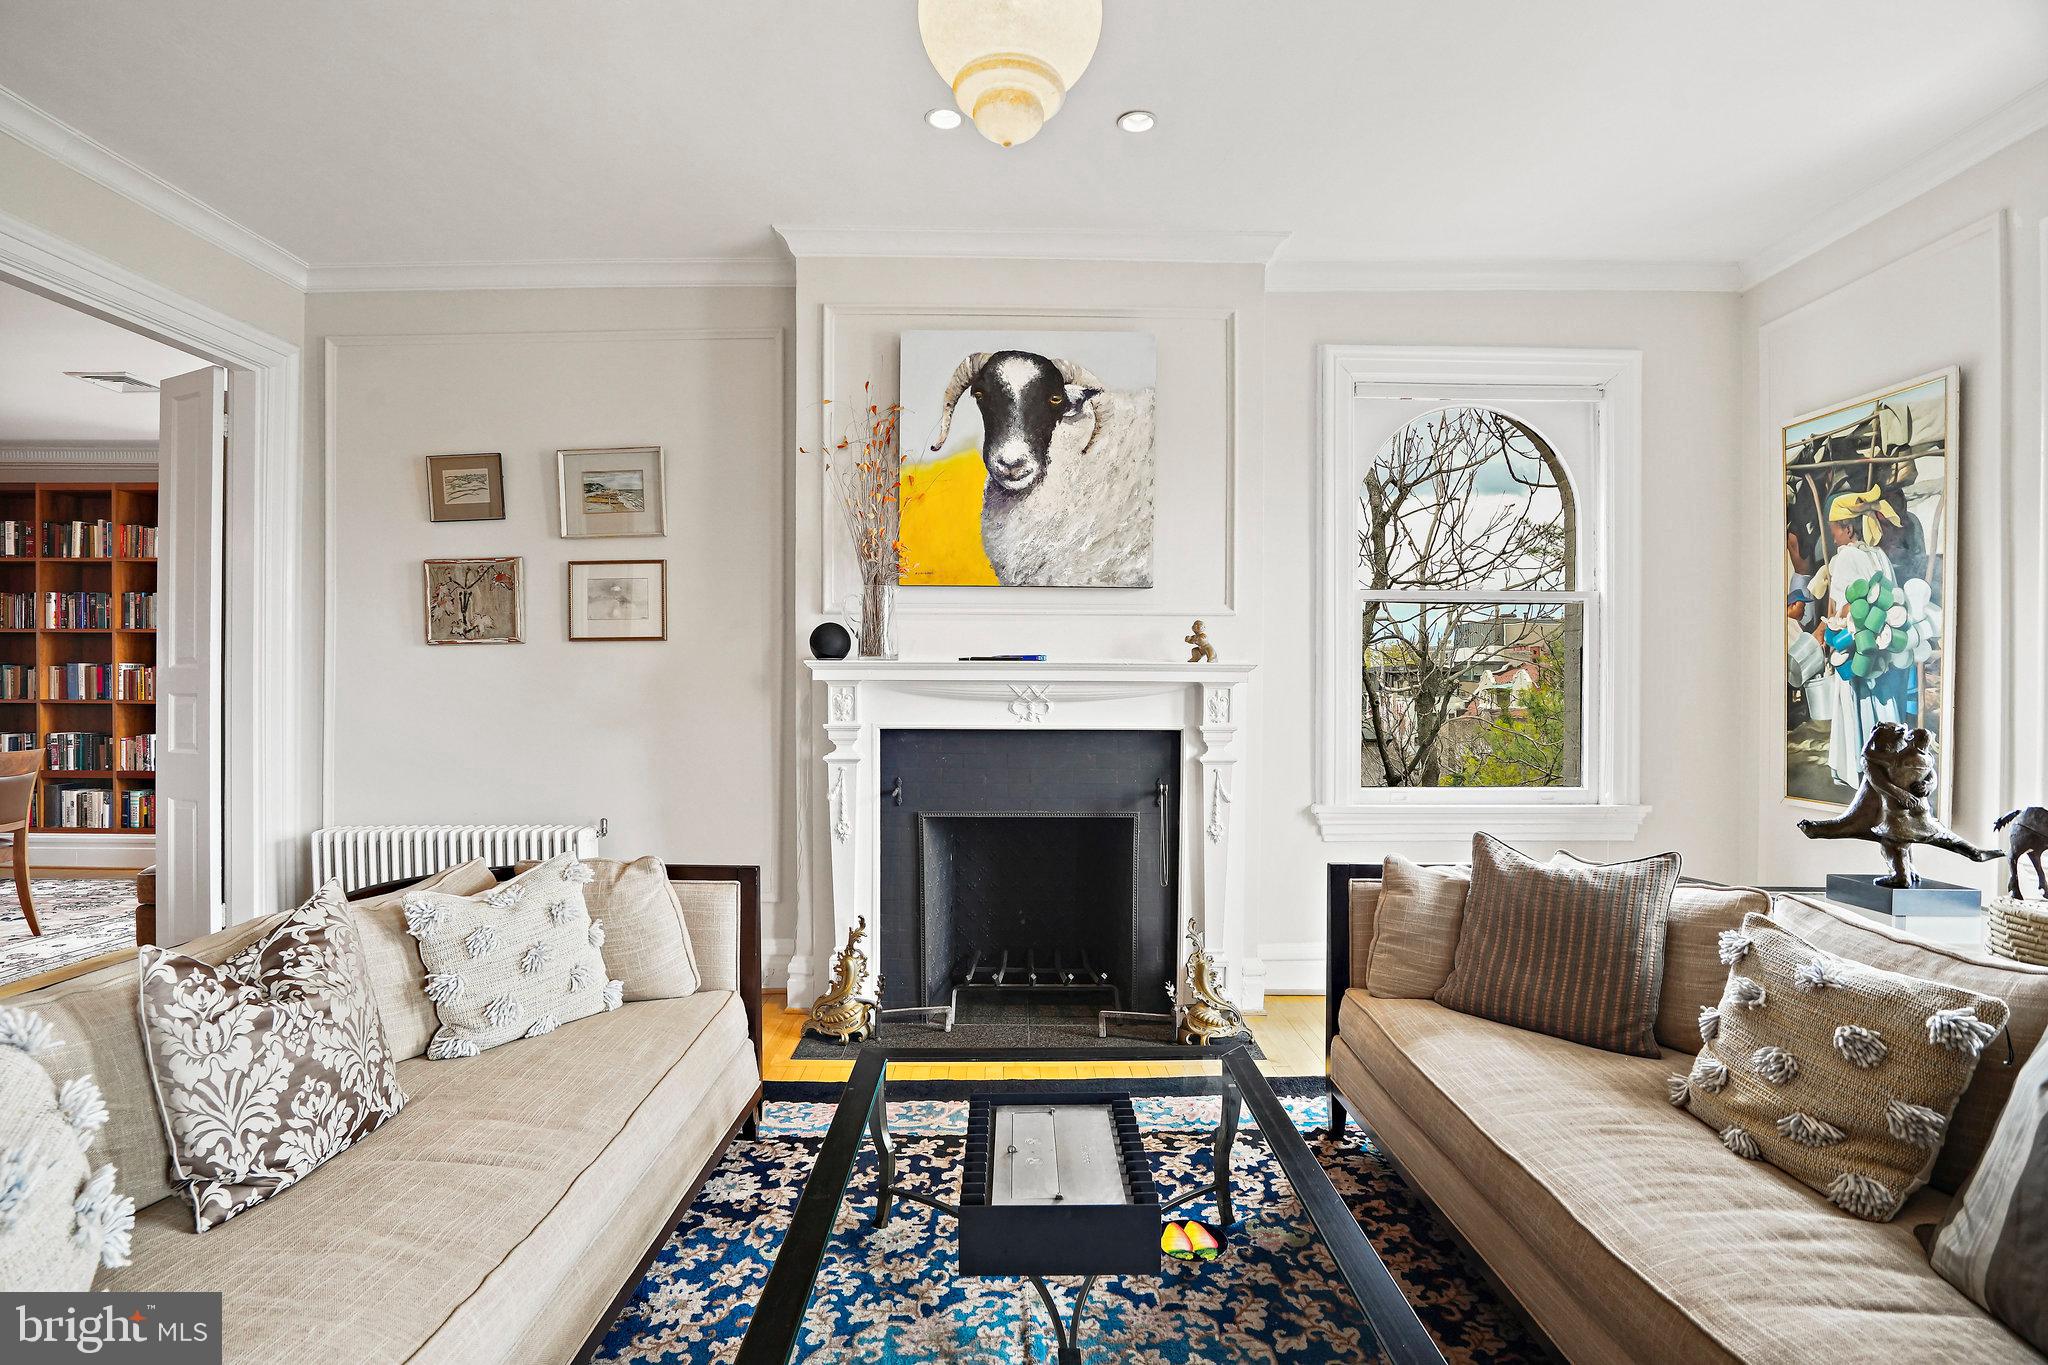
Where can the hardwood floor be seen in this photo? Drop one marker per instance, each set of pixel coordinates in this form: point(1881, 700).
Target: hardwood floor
point(1290, 1033)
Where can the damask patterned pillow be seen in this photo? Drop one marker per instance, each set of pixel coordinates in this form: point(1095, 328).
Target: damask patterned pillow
point(59, 1219)
point(268, 1064)
point(515, 962)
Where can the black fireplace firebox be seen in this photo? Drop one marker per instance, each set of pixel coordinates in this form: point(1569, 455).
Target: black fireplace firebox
point(1039, 862)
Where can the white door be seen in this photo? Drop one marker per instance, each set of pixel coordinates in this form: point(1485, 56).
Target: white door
point(191, 462)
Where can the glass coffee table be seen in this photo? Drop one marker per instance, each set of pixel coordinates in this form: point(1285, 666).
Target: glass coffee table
point(1036, 1186)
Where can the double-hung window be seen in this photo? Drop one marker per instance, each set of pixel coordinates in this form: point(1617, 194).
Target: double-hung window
point(1476, 613)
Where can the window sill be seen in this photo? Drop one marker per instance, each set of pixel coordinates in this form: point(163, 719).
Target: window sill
point(1414, 820)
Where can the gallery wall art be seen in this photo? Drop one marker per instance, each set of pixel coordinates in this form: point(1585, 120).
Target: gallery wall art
point(1028, 458)
point(1869, 562)
point(476, 601)
point(618, 599)
point(617, 491)
point(466, 487)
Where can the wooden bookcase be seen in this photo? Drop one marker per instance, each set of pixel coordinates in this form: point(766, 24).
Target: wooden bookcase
point(39, 646)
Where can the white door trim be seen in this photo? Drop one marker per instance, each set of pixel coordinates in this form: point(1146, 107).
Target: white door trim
point(267, 812)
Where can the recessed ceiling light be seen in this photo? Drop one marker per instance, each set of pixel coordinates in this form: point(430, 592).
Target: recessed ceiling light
point(1136, 121)
point(943, 119)
point(120, 381)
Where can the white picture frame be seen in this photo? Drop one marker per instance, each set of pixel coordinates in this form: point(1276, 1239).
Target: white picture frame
point(610, 491)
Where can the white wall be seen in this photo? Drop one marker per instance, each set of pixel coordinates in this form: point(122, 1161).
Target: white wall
point(1952, 278)
point(678, 744)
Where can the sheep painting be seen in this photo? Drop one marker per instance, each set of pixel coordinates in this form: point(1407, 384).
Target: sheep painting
point(1039, 468)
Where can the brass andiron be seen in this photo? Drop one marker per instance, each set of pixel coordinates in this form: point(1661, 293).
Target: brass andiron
point(1202, 1013)
point(842, 1012)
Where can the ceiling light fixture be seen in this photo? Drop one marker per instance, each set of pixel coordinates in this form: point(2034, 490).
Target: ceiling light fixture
point(1136, 121)
point(943, 119)
point(120, 381)
point(1010, 62)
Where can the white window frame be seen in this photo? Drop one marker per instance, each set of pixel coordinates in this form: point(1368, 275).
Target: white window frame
point(1606, 483)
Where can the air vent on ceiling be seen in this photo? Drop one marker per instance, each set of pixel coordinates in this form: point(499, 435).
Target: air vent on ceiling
point(120, 381)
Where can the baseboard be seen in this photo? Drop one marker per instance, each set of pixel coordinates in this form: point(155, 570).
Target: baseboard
point(1293, 968)
point(91, 850)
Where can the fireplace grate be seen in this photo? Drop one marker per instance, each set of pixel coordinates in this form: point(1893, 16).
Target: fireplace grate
point(1029, 969)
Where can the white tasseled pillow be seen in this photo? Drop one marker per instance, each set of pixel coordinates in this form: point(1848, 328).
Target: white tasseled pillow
point(514, 962)
point(59, 1220)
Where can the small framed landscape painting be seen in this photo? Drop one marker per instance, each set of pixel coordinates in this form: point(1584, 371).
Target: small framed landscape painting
point(476, 601)
point(1870, 587)
point(618, 599)
point(466, 487)
point(612, 492)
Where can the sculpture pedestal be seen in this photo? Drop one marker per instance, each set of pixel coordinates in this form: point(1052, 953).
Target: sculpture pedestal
point(1928, 898)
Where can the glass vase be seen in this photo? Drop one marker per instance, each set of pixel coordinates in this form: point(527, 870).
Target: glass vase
point(878, 618)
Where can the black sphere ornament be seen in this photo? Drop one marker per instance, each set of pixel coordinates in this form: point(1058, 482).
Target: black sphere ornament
point(831, 641)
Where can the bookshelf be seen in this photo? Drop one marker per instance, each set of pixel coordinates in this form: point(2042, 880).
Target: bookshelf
point(78, 648)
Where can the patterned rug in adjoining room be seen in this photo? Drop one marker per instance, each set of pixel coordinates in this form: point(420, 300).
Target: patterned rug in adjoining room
point(81, 917)
point(893, 1295)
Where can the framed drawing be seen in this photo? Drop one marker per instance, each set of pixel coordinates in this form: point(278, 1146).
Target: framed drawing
point(466, 487)
point(1869, 578)
point(613, 492)
point(1028, 459)
point(618, 599)
point(476, 601)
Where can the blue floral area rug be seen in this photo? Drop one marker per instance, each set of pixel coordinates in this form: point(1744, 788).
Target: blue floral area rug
point(892, 1294)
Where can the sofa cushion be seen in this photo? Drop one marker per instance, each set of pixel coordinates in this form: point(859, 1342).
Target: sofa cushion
point(1415, 929)
point(270, 1063)
point(517, 961)
point(99, 1033)
point(1838, 1073)
point(2023, 988)
point(60, 1220)
point(1693, 971)
point(397, 980)
point(1687, 1255)
point(445, 1234)
point(1574, 950)
point(646, 941)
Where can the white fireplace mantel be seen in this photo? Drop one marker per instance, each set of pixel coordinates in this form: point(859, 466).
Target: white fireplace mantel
point(1204, 702)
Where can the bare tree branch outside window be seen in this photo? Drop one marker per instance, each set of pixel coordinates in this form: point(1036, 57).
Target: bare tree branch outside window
point(1468, 692)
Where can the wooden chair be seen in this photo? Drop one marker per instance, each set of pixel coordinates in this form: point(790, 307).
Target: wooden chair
point(18, 773)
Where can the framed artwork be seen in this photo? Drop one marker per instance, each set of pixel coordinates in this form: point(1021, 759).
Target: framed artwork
point(1028, 459)
point(466, 487)
point(613, 492)
point(618, 599)
point(1869, 577)
point(476, 601)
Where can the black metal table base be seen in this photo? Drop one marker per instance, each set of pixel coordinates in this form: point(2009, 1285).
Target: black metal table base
point(1066, 1332)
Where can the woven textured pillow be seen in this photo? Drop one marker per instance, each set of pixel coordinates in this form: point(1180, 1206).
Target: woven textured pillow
point(59, 1219)
point(397, 981)
point(646, 943)
point(517, 961)
point(268, 1064)
point(1839, 1074)
point(1415, 929)
point(1575, 950)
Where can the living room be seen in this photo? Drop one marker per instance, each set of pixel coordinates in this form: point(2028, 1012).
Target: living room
point(1127, 544)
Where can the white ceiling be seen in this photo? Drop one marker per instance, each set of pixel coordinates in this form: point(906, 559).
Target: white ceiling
point(39, 403)
point(381, 132)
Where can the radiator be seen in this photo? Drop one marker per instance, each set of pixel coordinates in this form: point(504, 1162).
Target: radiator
point(367, 855)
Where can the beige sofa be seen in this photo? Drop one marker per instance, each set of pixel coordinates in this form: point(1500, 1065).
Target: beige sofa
point(1618, 1223)
point(502, 1216)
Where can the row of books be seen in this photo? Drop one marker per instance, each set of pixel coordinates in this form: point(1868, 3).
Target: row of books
point(17, 539)
point(17, 682)
point(78, 539)
point(138, 754)
point(138, 808)
point(138, 611)
point(18, 610)
point(78, 751)
point(134, 682)
point(17, 741)
point(77, 610)
point(83, 682)
point(78, 805)
point(135, 542)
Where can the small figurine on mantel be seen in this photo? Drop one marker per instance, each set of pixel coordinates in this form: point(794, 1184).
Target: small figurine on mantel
point(844, 1011)
point(1893, 807)
point(1203, 652)
point(2029, 840)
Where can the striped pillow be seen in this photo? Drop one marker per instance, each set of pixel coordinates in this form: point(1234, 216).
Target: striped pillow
point(1573, 950)
point(1994, 1241)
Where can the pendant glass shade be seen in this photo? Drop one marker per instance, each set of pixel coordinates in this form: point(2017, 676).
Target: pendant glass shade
point(1010, 62)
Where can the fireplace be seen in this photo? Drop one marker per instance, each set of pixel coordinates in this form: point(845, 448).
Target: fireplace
point(1037, 864)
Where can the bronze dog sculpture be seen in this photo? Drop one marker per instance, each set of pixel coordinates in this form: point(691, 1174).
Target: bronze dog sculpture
point(1891, 806)
point(2029, 839)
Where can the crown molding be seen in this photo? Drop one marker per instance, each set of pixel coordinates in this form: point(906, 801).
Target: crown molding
point(1181, 248)
point(1289, 276)
point(1901, 185)
point(687, 272)
point(83, 452)
point(69, 147)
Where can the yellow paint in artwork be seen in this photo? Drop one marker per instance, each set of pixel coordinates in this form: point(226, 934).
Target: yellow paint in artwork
point(941, 525)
